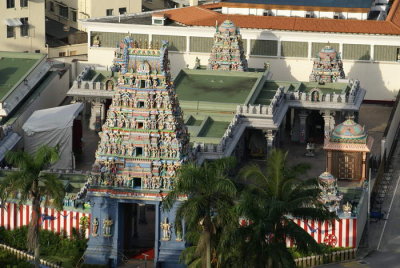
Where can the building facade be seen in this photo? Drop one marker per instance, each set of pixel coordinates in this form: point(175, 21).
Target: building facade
point(23, 26)
point(369, 48)
point(70, 12)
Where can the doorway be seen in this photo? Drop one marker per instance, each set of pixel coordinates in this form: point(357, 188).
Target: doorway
point(138, 232)
point(315, 127)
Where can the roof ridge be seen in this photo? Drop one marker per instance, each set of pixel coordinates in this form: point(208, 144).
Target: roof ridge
point(393, 11)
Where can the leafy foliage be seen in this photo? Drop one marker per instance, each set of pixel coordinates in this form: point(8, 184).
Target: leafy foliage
point(207, 210)
point(33, 185)
point(54, 247)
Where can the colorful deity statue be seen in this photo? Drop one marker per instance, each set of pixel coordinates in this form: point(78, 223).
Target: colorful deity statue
point(330, 196)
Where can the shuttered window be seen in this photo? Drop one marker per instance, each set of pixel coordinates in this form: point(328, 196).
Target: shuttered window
point(316, 48)
point(264, 47)
point(201, 44)
point(294, 49)
point(112, 39)
point(386, 53)
point(176, 43)
point(356, 52)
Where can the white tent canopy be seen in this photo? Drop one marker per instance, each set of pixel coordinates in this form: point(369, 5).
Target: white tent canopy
point(52, 127)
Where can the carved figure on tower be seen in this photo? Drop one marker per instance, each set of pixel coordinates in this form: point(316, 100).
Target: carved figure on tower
point(227, 52)
point(327, 67)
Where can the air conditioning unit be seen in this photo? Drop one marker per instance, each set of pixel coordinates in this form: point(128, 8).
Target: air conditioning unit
point(336, 15)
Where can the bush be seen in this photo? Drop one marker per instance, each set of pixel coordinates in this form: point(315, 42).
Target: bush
point(54, 247)
point(8, 260)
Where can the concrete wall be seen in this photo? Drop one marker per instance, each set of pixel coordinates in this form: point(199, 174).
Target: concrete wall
point(36, 35)
point(51, 96)
point(391, 130)
point(69, 50)
point(91, 8)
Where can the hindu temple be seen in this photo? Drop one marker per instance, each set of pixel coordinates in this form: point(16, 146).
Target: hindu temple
point(227, 52)
point(327, 67)
point(347, 151)
point(143, 143)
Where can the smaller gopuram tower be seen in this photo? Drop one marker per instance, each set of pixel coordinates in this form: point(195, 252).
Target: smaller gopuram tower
point(143, 143)
point(227, 52)
point(327, 67)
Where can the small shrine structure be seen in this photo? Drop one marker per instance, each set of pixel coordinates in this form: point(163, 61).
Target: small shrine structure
point(227, 51)
point(330, 195)
point(347, 150)
point(143, 143)
point(327, 67)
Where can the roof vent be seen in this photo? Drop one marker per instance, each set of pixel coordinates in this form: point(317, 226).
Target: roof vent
point(158, 18)
point(309, 14)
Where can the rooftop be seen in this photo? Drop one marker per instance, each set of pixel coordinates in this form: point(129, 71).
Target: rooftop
point(208, 15)
point(212, 86)
point(14, 67)
point(308, 3)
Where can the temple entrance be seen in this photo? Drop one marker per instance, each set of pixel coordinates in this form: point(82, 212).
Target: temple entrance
point(315, 127)
point(138, 232)
point(255, 144)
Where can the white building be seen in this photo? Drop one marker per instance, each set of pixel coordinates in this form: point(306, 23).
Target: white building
point(23, 26)
point(370, 48)
point(69, 12)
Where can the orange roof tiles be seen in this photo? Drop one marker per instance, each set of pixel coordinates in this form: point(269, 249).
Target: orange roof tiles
point(205, 16)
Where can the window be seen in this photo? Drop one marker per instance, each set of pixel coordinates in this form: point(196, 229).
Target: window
point(10, 31)
point(109, 12)
point(63, 11)
point(37, 51)
point(51, 7)
point(139, 151)
point(61, 54)
point(10, 3)
point(73, 15)
point(137, 182)
point(24, 27)
point(122, 10)
point(23, 3)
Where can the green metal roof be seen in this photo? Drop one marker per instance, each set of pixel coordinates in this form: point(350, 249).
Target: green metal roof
point(14, 67)
point(215, 86)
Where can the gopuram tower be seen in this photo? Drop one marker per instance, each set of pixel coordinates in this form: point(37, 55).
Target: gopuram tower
point(227, 51)
point(143, 143)
point(327, 67)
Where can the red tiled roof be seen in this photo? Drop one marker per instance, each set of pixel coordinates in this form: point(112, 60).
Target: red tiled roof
point(205, 16)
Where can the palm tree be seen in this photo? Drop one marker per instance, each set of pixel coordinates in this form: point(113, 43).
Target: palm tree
point(272, 199)
point(210, 199)
point(35, 185)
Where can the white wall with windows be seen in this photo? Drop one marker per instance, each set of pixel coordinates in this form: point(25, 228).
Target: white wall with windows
point(372, 59)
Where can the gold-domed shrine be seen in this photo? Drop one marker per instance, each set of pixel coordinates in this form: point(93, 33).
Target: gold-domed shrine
point(347, 151)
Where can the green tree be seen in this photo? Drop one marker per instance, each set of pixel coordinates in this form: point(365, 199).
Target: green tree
point(210, 194)
point(272, 198)
point(33, 184)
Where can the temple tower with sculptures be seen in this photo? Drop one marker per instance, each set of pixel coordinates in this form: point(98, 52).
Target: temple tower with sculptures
point(143, 143)
point(227, 52)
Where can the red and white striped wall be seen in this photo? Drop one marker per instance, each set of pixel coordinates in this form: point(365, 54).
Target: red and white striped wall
point(13, 216)
point(336, 233)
